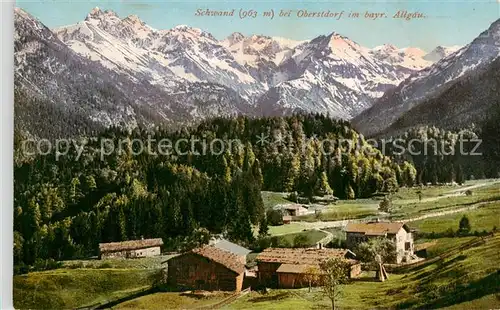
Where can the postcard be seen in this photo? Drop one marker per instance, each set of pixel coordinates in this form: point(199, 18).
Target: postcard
point(256, 154)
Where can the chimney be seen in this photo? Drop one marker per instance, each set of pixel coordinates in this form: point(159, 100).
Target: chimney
point(320, 245)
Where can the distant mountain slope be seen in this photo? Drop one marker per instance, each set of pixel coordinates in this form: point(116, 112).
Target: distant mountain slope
point(410, 58)
point(105, 92)
point(430, 82)
point(45, 68)
point(329, 74)
point(120, 71)
point(465, 103)
point(441, 52)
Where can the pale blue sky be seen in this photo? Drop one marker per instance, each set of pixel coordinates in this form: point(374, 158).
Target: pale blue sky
point(447, 23)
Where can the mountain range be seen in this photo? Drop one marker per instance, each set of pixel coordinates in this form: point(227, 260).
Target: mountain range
point(433, 84)
point(120, 71)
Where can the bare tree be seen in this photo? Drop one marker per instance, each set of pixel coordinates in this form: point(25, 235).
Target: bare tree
point(334, 274)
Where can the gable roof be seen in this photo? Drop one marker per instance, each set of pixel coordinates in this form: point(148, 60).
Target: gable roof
point(302, 256)
point(376, 228)
point(130, 245)
point(297, 268)
point(234, 248)
point(227, 259)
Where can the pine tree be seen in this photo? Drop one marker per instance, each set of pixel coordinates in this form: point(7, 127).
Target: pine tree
point(263, 227)
point(464, 225)
point(322, 187)
point(459, 178)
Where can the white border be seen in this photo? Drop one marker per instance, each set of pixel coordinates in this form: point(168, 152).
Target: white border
point(6, 153)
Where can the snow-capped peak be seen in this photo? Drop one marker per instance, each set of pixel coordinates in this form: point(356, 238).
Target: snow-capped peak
point(413, 52)
point(134, 19)
point(385, 47)
point(234, 38)
point(187, 32)
point(97, 13)
point(410, 57)
point(441, 52)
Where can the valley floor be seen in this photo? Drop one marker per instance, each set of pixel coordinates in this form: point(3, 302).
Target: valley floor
point(453, 278)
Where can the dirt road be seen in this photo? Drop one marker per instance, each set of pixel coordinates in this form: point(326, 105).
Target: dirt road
point(457, 192)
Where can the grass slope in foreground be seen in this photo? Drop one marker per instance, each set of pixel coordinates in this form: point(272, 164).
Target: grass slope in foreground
point(172, 301)
point(72, 288)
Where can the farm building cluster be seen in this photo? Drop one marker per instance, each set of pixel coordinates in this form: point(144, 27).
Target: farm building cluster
point(222, 265)
point(289, 268)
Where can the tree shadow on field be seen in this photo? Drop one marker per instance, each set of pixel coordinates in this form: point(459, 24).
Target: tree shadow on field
point(440, 296)
point(269, 297)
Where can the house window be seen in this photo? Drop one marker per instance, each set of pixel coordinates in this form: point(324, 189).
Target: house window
point(407, 246)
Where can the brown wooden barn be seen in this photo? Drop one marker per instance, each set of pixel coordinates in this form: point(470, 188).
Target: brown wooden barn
point(289, 268)
point(207, 268)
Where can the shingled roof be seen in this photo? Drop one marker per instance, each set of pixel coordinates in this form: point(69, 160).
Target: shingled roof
point(302, 256)
point(227, 259)
point(302, 269)
point(376, 228)
point(130, 245)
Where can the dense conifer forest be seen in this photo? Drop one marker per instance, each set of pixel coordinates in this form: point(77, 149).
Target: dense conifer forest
point(64, 206)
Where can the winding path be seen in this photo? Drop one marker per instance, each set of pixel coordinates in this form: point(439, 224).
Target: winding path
point(319, 225)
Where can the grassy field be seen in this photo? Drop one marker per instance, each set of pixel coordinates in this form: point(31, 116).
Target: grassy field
point(405, 203)
point(466, 280)
point(443, 245)
point(484, 218)
point(140, 263)
point(271, 199)
point(71, 288)
point(313, 236)
point(172, 301)
point(286, 229)
point(344, 210)
point(407, 208)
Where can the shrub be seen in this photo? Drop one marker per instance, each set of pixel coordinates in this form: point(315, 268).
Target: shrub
point(284, 243)
point(262, 242)
point(367, 251)
point(385, 205)
point(105, 265)
point(301, 241)
point(21, 268)
point(76, 265)
point(464, 225)
point(293, 197)
point(274, 217)
point(46, 264)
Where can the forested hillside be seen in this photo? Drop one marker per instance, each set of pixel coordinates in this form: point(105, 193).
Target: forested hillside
point(65, 206)
point(444, 156)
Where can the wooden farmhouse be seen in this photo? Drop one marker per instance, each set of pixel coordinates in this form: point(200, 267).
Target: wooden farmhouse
point(131, 249)
point(207, 268)
point(397, 232)
point(290, 268)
